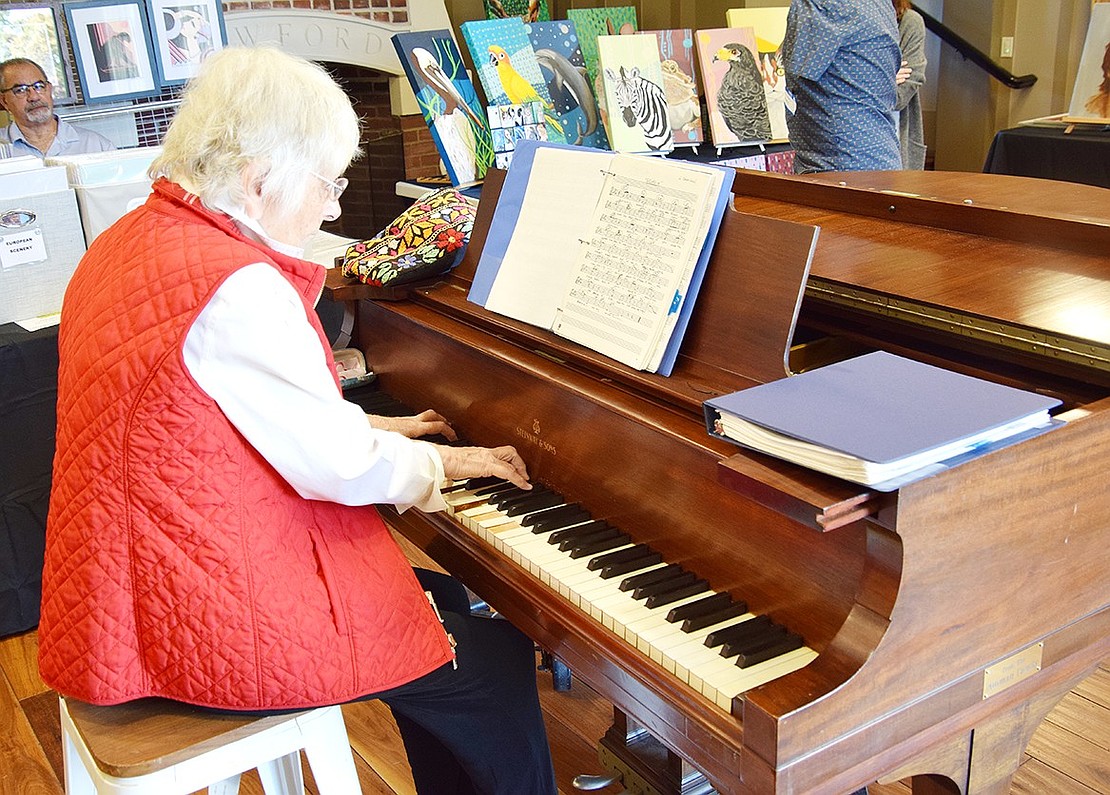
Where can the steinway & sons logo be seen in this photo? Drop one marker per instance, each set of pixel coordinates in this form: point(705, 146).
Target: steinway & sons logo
point(533, 437)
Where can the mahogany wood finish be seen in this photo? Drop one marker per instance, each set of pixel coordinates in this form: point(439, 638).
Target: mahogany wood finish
point(1005, 275)
point(915, 601)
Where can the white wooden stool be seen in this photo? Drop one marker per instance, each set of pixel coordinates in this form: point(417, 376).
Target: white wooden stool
point(167, 748)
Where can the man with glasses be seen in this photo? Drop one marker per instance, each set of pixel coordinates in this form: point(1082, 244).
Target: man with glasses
point(28, 97)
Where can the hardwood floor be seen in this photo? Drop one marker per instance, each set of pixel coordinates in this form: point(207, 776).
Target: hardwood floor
point(1068, 755)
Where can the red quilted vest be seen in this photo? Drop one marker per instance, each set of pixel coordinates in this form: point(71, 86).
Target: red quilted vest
point(178, 562)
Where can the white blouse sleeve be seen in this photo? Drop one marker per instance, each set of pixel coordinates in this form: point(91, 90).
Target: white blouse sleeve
point(252, 350)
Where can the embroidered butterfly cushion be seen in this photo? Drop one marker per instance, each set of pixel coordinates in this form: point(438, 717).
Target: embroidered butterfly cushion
point(424, 240)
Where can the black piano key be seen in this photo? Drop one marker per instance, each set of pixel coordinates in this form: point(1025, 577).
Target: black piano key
point(707, 605)
point(577, 531)
point(598, 545)
point(635, 581)
point(676, 580)
point(510, 496)
point(553, 516)
point(737, 631)
point(547, 500)
point(562, 524)
point(494, 488)
point(790, 642)
point(574, 540)
point(507, 499)
point(630, 566)
point(482, 482)
point(694, 623)
point(663, 599)
point(750, 643)
point(621, 556)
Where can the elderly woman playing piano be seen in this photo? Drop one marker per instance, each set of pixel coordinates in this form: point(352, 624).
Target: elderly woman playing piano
point(211, 536)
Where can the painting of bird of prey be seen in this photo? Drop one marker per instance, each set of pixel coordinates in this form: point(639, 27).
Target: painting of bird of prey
point(508, 69)
point(564, 71)
point(734, 91)
point(448, 102)
point(769, 25)
point(527, 10)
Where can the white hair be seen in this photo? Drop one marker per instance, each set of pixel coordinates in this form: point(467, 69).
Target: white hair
point(262, 108)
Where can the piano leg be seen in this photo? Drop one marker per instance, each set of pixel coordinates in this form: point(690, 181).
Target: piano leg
point(560, 673)
point(644, 764)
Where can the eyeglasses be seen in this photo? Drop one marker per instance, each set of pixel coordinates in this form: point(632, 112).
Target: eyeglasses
point(18, 90)
point(337, 187)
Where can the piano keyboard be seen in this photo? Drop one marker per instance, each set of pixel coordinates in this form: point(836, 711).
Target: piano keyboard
point(705, 638)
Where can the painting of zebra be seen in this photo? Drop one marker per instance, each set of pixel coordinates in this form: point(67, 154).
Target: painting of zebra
point(633, 79)
point(642, 102)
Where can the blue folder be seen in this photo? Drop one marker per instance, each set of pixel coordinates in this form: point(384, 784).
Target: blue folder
point(883, 408)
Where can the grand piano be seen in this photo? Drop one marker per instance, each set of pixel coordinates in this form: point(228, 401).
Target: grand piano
point(938, 624)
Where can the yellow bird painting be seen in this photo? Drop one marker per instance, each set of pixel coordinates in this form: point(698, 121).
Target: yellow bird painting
point(516, 87)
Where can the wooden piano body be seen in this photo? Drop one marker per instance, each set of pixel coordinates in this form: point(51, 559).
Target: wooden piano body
point(948, 617)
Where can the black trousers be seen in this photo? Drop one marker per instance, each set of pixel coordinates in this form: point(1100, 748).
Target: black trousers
point(476, 728)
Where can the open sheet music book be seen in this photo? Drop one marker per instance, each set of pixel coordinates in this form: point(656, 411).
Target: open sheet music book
point(604, 249)
point(879, 419)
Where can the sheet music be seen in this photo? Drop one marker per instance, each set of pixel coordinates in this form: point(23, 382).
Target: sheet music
point(637, 258)
point(553, 217)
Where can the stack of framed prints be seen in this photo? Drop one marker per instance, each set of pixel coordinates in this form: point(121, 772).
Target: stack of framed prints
point(122, 49)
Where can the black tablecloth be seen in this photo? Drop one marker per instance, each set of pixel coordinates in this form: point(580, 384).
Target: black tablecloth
point(1082, 155)
point(28, 393)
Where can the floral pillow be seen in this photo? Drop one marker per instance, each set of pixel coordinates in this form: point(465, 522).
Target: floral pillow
point(425, 240)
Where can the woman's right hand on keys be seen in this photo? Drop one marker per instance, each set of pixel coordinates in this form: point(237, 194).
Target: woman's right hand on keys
point(475, 462)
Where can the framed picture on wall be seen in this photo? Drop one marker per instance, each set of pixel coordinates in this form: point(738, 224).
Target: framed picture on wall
point(185, 33)
point(34, 30)
point(112, 49)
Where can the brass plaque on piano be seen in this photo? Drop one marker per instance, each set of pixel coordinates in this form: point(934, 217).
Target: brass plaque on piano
point(1012, 670)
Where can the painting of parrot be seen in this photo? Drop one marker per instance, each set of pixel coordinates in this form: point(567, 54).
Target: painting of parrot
point(516, 87)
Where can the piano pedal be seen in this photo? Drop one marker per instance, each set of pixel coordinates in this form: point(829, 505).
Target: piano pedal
point(560, 673)
point(479, 606)
point(589, 783)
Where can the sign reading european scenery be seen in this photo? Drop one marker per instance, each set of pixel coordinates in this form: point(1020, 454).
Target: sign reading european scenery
point(21, 248)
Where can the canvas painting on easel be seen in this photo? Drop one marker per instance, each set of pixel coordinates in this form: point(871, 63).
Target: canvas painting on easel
point(564, 71)
point(734, 92)
point(676, 49)
point(769, 25)
point(507, 67)
point(1090, 100)
point(633, 81)
point(448, 102)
